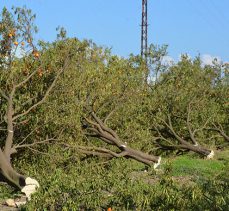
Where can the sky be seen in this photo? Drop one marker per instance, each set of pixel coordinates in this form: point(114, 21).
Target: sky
point(194, 27)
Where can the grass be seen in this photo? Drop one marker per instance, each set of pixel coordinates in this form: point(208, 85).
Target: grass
point(123, 184)
point(187, 166)
point(223, 156)
point(5, 191)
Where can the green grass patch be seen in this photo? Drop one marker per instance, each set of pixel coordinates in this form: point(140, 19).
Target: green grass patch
point(184, 165)
point(6, 191)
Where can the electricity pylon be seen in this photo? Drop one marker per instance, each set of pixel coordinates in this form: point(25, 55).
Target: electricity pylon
point(144, 30)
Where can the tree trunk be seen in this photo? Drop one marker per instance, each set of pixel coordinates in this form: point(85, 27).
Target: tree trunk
point(140, 156)
point(183, 144)
point(109, 136)
point(9, 173)
point(198, 149)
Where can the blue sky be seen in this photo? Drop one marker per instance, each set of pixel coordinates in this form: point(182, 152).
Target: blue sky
point(187, 26)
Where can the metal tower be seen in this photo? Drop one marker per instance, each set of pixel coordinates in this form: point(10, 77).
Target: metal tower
point(144, 28)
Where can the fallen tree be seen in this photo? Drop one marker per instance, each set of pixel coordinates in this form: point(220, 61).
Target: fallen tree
point(97, 128)
point(217, 127)
point(191, 144)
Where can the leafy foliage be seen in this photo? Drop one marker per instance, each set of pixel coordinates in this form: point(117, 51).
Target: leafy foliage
point(186, 101)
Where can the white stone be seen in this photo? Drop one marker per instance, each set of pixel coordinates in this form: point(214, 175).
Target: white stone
point(158, 163)
point(20, 203)
point(10, 203)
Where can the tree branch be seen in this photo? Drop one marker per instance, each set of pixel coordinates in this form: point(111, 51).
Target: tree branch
point(26, 79)
point(220, 130)
point(110, 137)
point(34, 143)
point(4, 94)
point(192, 136)
point(183, 143)
point(45, 96)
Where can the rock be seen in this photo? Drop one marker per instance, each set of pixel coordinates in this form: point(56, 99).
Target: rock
point(6, 208)
point(10, 203)
point(20, 201)
point(29, 190)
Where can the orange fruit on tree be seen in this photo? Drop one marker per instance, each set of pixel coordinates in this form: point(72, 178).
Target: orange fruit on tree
point(36, 54)
point(15, 43)
point(40, 72)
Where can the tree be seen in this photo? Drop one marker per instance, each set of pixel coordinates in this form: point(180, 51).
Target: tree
point(156, 63)
point(27, 76)
point(182, 107)
point(219, 126)
point(96, 100)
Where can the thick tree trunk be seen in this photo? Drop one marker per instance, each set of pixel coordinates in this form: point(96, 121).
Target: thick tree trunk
point(183, 144)
point(198, 149)
point(209, 154)
point(27, 185)
point(109, 136)
point(10, 127)
point(9, 173)
point(140, 156)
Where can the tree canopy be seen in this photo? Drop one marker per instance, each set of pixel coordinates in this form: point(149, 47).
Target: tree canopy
point(70, 100)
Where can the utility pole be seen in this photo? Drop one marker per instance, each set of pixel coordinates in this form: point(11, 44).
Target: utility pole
point(144, 30)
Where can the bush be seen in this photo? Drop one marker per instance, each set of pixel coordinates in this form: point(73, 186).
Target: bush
point(94, 184)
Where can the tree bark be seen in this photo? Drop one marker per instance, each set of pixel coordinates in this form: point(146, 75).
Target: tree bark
point(182, 143)
point(10, 129)
point(198, 149)
point(219, 128)
point(109, 136)
point(9, 173)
